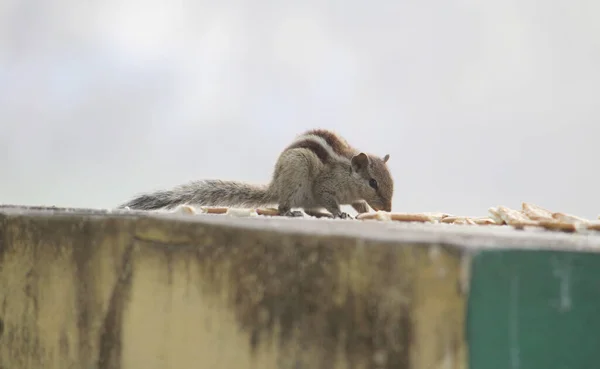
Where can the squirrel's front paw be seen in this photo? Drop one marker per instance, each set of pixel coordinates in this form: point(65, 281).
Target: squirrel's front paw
point(343, 215)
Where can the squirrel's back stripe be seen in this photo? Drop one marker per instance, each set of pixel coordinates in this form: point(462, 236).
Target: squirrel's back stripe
point(337, 143)
point(312, 145)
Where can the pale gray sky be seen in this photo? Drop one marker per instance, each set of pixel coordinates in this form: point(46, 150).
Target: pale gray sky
point(478, 103)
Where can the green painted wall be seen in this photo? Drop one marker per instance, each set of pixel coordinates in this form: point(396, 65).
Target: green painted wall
point(534, 310)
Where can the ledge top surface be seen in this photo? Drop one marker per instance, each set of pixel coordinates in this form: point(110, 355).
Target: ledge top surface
point(463, 236)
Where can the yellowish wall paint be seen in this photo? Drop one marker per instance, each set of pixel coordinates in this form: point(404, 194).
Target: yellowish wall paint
point(125, 292)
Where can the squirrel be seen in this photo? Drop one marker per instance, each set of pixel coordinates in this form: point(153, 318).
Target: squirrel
point(319, 169)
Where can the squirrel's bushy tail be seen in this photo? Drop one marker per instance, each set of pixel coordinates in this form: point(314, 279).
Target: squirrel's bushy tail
point(204, 193)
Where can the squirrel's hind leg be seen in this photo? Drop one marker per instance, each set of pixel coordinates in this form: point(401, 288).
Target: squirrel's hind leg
point(291, 181)
point(290, 213)
point(291, 197)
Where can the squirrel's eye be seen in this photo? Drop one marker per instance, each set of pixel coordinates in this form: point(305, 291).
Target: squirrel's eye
point(373, 183)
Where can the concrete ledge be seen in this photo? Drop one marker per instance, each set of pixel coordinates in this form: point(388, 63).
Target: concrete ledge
point(82, 288)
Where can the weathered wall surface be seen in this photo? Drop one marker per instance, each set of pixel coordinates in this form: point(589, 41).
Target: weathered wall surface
point(79, 290)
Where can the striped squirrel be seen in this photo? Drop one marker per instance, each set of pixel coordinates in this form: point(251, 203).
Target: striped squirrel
point(319, 169)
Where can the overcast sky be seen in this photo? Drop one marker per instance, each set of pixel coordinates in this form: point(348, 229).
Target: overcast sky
point(479, 104)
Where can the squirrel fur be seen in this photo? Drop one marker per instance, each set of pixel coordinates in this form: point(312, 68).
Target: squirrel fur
point(318, 170)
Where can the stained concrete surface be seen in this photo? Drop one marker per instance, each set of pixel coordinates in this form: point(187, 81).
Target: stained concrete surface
point(85, 288)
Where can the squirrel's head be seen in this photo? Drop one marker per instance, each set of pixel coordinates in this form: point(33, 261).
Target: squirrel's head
point(375, 184)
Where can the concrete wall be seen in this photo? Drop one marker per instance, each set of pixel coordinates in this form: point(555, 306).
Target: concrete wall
point(86, 289)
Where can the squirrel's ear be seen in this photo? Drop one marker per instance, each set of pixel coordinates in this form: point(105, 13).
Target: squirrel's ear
point(386, 158)
point(360, 161)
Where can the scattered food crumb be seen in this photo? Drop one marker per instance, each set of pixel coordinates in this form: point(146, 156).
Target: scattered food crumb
point(531, 216)
point(241, 212)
